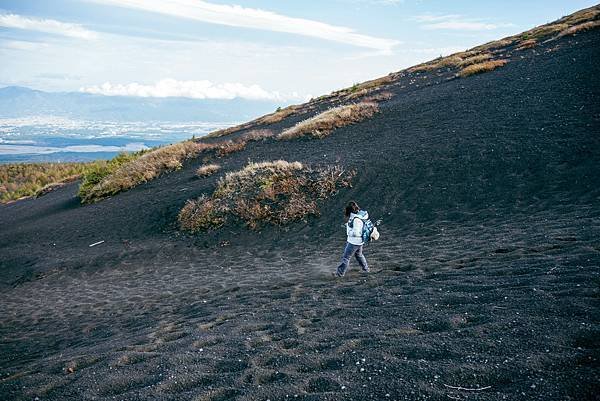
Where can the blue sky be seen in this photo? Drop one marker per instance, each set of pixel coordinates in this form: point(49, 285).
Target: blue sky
point(277, 50)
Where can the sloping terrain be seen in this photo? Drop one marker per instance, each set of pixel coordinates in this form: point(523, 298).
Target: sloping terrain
point(485, 282)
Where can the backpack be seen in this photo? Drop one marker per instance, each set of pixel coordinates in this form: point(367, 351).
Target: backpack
point(369, 231)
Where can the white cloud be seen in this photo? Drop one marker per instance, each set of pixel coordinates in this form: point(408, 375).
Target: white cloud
point(237, 16)
point(456, 22)
point(46, 25)
point(191, 89)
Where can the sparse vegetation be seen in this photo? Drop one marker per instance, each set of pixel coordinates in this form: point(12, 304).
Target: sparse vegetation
point(101, 169)
point(544, 31)
point(18, 180)
point(270, 192)
point(476, 59)
point(279, 115)
point(258, 135)
point(586, 26)
point(527, 44)
point(207, 170)
point(227, 147)
point(481, 67)
point(323, 124)
point(139, 170)
point(378, 97)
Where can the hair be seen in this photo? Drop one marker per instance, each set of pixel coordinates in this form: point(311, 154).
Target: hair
point(351, 207)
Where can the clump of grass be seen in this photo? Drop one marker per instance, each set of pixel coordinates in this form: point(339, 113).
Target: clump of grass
point(544, 31)
point(527, 44)
point(19, 180)
point(226, 131)
point(450, 61)
point(585, 26)
point(141, 169)
point(373, 84)
point(323, 124)
point(476, 59)
point(276, 192)
point(379, 97)
point(258, 135)
point(423, 67)
point(207, 170)
point(101, 169)
point(481, 67)
point(227, 147)
point(585, 15)
point(495, 45)
point(278, 115)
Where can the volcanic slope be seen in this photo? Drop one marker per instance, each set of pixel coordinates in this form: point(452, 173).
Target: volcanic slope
point(485, 282)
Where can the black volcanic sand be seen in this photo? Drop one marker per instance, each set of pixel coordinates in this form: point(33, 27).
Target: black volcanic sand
point(485, 282)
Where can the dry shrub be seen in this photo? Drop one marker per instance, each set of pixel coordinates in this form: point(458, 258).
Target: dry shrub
point(227, 147)
point(207, 170)
point(201, 214)
point(586, 26)
point(323, 124)
point(481, 67)
point(477, 59)
point(144, 168)
point(270, 192)
point(258, 135)
point(527, 44)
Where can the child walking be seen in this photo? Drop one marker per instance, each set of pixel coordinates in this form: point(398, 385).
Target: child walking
point(354, 245)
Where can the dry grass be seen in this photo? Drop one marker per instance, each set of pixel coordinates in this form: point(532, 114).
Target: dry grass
point(450, 61)
point(323, 124)
point(145, 168)
point(494, 45)
point(544, 31)
point(373, 84)
point(258, 135)
point(527, 44)
point(272, 118)
point(582, 16)
point(378, 97)
point(228, 147)
point(19, 180)
point(423, 67)
point(481, 67)
point(476, 59)
point(279, 115)
point(270, 192)
point(207, 170)
point(585, 26)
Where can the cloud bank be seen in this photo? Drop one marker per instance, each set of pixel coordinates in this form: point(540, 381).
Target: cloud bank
point(47, 26)
point(191, 89)
point(237, 16)
point(455, 22)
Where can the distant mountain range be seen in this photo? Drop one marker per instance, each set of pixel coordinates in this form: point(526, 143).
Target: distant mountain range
point(20, 102)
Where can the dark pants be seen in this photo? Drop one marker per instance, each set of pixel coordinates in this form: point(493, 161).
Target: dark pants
point(350, 250)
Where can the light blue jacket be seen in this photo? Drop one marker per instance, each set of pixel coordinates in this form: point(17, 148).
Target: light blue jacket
point(354, 227)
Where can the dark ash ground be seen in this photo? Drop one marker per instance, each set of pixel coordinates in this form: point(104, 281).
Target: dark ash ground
point(489, 196)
